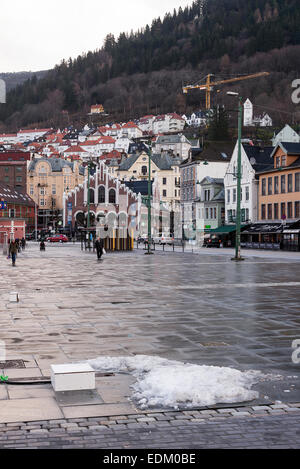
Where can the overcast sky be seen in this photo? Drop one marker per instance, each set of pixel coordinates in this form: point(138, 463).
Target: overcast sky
point(38, 34)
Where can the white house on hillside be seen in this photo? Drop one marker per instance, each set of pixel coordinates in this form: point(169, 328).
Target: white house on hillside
point(254, 159)
point(287, 134)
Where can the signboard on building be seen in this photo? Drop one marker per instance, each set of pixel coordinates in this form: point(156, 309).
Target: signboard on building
point(3, 205)
point(69, 213)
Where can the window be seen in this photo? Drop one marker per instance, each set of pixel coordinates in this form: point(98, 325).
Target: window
point(270, 186)
point(18, 178)
point(53, 189)
point(6, 179)
point(164, 181)
point(290, 209)
point(297, 182)
point(207, 195)
point(42, 202)
point(247, 193)
point(206, 213)
point(277, 162)
point(228, 196)
point(211, 213)
point(276, 213)
point(282, 184)
point(101, 195)
point(42, 191)
point(164, 193)
point(247, 214)
point(283, 214)
point(19, 169)
point(241, 193)
point(31, 190)
point(283, 161)
point(276, 185)
point(6, 170)
point(263, 212)
point(229, 215)
point(144, 170)
point(263, 186)
point(112, 196)
point(215, 213)
point(297, 209)
point(234, 195)
point(92, 196)
point(270, 211)
point(290, 183)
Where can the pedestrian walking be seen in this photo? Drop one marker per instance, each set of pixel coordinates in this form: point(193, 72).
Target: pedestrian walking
point(13, 250)
point(23, 243)
point(99, 248)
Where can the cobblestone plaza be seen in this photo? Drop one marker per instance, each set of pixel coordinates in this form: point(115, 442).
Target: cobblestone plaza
point(199, 308)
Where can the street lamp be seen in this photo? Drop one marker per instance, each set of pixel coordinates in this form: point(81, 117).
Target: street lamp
point(149, 252)
point(239, 180)
point(90, 166)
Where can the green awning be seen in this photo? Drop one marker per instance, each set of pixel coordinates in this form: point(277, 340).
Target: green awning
point(225, 229)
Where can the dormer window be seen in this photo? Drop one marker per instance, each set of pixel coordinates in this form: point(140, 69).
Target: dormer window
point(283, 160)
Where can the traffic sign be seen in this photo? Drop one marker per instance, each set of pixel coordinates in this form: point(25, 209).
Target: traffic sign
point(3, 205)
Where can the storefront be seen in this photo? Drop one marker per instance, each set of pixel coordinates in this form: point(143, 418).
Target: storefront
point(224, 235)
point(291, 237)
point(272, 236)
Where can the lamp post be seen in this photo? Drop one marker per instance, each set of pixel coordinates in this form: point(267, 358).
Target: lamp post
point(90, 165)
point(149, 252)
point(239, 180)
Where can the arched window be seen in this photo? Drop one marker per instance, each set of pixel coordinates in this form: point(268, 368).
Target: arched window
point(92, 196)
point(112, 196)
point(101, 195)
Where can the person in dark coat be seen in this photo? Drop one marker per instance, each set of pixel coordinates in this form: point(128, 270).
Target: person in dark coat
point(23, 243)
point(13, 250)
point(99, 247)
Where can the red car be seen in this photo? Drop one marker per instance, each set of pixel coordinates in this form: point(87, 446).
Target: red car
point(59, 238)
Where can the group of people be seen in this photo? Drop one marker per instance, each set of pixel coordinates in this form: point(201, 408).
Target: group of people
point(15, 246)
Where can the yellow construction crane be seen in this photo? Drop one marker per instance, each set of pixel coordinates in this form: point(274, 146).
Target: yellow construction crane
point(208, 86)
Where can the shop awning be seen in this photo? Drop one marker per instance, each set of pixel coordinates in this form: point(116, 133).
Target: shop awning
point(264, 228)
point(226, 229)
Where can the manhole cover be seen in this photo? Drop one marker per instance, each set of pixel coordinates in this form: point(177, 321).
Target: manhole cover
point(12, 364)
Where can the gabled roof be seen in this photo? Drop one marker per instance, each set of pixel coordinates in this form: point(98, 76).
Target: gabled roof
point(259, 157)
point(75, 149)
point(12, 196)
point(288, 147)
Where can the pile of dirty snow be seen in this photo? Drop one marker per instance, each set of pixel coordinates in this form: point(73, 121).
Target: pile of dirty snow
point(161, 382)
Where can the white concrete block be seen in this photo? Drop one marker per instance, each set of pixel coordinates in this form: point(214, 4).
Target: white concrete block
point(73, 377)
point(14, 297)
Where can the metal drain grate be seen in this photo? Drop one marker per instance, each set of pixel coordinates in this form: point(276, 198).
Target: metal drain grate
point(12, 364)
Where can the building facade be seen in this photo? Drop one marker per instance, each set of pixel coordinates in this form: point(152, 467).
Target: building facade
point(48, 179)
point(13, 169)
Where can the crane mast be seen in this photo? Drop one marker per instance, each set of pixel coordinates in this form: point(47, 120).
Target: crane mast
point(208, 86)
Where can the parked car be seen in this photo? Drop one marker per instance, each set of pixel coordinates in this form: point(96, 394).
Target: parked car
point(58, 238)
point(142, 238)
point(212, 242)
point(30, 236)
point(163, 239)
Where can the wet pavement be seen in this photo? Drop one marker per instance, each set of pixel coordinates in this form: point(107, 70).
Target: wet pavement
point(198, 308)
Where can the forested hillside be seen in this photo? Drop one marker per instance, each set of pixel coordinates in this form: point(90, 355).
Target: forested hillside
point(143, 71)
